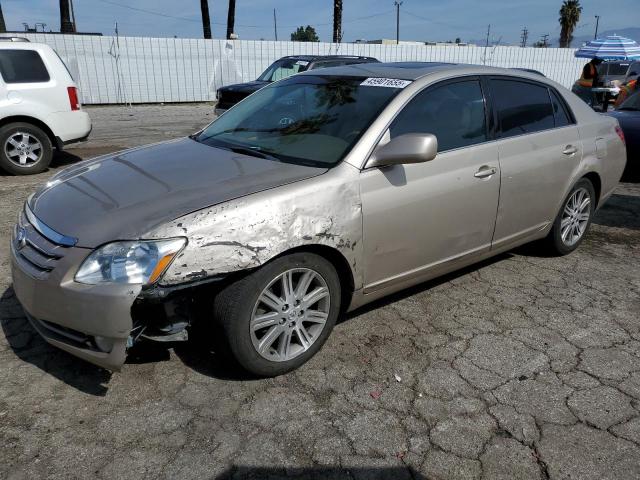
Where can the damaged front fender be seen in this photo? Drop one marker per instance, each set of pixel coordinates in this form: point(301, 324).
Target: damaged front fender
point(249, 231)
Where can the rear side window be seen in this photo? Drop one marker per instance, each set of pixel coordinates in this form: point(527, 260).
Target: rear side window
point(453, 112)
point(522, 107)
point(560, 114)
point(22, 66)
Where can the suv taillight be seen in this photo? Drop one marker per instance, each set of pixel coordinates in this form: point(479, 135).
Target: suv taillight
point(620, 134)
point(73, 98)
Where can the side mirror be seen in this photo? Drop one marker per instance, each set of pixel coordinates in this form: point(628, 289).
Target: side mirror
point(633, 74)
point(407, 148)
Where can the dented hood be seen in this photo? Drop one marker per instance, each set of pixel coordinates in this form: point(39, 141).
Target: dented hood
point(125, 195)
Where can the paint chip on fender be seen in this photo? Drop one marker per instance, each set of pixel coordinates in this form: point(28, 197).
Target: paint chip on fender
point(385, 82)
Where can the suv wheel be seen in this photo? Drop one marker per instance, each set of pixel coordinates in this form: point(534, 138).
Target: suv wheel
point(278, 317)
point(24, 149)
point(574, 219)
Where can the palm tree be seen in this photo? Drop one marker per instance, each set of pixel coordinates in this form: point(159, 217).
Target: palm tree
point(66, 25)
point(231, 18)
point(206, 21)
point(3, 27)
point(337, 21)
point(569, 17)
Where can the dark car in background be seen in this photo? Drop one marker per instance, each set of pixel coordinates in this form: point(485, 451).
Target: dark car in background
point(628, 115)
point(229, 95)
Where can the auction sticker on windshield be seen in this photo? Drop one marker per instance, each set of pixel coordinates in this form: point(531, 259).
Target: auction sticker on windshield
point(385, 82)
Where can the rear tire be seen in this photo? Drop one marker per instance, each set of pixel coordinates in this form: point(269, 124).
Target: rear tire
point(573, 220)
point(24, 149)
point(269, 331)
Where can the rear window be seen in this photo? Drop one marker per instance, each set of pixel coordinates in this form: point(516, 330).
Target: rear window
point(522, 107)
point(22, 66)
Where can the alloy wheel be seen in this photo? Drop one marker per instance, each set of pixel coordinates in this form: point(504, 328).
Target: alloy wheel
point(290, 314)
point(575, 217)
point(23, 149)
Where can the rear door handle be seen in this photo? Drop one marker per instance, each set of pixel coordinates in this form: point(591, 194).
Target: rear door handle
point(485, 171)
point(570, 150)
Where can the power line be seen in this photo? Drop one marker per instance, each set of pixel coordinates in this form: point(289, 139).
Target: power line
point(165, 15)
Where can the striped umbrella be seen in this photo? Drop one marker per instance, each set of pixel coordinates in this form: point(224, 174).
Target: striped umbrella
point(612, 47)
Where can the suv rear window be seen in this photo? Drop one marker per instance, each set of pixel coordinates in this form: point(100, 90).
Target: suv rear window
point(523, 107)
point(22, 66)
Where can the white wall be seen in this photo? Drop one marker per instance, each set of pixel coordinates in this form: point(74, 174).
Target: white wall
point(151, 70)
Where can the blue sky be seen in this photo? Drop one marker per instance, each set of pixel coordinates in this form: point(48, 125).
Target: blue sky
point(369, 19)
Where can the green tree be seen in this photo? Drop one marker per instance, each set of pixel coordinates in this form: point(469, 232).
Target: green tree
point(569, 17)
point(305, 34)
point(337, 21)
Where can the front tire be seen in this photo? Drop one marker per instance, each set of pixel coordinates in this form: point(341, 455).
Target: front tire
point(573, 220)
point(275, 319)
point(24, 149)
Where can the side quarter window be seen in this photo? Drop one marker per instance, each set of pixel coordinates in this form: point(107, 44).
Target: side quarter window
point(560, 113)
point(453, 112)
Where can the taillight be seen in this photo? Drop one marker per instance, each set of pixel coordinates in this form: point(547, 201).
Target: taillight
point(73, 98)
point(620, 134)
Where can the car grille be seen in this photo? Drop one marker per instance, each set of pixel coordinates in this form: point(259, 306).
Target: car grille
point(229, 99)
point(38, 254)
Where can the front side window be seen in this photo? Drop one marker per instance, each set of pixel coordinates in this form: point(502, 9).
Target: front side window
point(453, 112)
point(22, 66)
point(307, 119)
point(522, 107)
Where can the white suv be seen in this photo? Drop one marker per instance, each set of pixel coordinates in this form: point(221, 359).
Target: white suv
point(39, 106)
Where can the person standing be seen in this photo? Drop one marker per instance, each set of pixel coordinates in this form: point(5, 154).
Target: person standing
point(588, 80)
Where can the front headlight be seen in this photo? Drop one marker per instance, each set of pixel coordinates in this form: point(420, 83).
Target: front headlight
point(132, 262)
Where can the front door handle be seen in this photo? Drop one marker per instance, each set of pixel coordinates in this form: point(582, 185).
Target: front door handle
point(570, 150)
point(485, 171)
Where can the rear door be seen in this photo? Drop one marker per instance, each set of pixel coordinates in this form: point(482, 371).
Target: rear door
point(539, 148)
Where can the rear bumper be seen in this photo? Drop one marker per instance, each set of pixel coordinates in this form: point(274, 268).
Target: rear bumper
point(92, 322)
point(70, 126)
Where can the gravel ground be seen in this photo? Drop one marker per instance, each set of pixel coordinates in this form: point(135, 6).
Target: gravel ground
point(522, 367)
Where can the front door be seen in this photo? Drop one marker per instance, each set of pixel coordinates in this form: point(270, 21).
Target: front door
point(422, 219)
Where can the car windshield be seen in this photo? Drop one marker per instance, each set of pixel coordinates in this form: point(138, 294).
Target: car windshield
point(307, 119)
point(614, 69)
point(631, 103)
point(283, 68)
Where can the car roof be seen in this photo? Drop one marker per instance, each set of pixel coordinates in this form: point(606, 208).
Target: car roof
point(415, 70)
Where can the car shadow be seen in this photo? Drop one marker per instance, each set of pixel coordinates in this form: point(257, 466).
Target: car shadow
point(422, 287)
point(620, 211)
point(30, 347)
point(60, 160)
point(401, 472)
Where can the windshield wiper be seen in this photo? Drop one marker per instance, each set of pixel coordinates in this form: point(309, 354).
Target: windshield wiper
point(253, 152)
point(633, 109)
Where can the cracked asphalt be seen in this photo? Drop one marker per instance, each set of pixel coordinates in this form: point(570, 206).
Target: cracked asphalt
point(521, 367)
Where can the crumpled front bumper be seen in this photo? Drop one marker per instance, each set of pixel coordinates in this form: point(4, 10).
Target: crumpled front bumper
point(92, 322)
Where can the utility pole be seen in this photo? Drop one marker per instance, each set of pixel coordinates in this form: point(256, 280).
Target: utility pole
point(597, 22)
point(397, 4)
point(275, 24)
point(206, 19)
point(544, 40)
point(523, 37)
point(486, 45)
